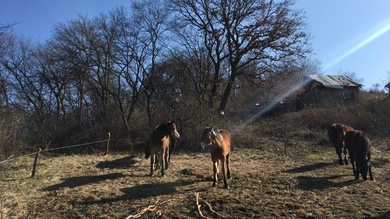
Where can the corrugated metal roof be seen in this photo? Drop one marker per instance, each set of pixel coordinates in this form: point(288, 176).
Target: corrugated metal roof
point(334, 81)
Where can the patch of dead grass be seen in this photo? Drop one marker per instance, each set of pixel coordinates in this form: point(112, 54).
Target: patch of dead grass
point(266, 182)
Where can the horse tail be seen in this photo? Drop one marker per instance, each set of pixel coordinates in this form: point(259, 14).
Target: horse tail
point(332, 132)
point(147, 149)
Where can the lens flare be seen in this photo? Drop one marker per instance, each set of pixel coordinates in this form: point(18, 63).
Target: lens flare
point(384, 28)
point(269, 106)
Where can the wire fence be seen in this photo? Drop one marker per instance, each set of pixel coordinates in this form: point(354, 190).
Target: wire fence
point(53, 149)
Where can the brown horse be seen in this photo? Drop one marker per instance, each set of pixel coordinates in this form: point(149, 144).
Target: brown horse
point(336, 135)
point(158, 144)
point(219, 143)
point(359, 148)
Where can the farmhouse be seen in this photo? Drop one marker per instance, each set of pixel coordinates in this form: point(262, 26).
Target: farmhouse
point(387, 86)
point(328, 90)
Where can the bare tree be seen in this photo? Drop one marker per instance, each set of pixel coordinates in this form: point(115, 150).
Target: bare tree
point(262, 33)
point(198, 14)
point(29, 95)
point(150, 35)
point(6, 39)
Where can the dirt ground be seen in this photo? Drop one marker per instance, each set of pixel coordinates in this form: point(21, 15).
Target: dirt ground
point(300, 181)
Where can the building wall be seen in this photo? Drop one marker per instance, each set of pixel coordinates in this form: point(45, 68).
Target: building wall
point(323, 97)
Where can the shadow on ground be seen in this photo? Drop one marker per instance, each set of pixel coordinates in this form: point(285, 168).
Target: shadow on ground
point(322, 183)
point(73, 182)
point(120, 163)
point(385, 215)
point(144, 191)
point(308, 168)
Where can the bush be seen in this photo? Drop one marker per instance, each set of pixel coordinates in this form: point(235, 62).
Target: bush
point(11, 131)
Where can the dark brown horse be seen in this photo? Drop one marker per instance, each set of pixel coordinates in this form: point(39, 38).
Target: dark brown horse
point(158, 145)
point(359, 148)
point(336, 135)
point(219, 143)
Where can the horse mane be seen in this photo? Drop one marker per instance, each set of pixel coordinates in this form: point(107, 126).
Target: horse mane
point(163, 127)
point(216, 134)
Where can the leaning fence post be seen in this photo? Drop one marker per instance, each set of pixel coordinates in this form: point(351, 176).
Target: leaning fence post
point(108, 143)
point(35, 162)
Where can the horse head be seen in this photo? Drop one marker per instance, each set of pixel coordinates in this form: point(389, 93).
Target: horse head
point(208, 135)
point(172, 130)
point(364, 166)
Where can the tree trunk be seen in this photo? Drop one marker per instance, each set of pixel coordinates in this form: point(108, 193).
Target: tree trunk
point(213, 92)
point(226, 93)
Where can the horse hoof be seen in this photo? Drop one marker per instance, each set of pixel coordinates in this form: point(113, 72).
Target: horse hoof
point(214, 184)
point(227, 187)
point(356, 178)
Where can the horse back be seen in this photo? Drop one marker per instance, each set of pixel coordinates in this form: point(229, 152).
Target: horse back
point(337, 132)
point(358, 144)
point(224, 143)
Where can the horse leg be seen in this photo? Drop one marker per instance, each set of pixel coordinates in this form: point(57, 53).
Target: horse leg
point(228, 165)
point(352, 160)
point(172, 145)
point(358, 171)
point(355, 169)
point(345, 155)
point(162, 163)
point(338, 151)
point(166, 158)
point(215, 169)
point(152, 160)
point(369, 171)
point(156, 165)
point(224, 173)
point(369, 165)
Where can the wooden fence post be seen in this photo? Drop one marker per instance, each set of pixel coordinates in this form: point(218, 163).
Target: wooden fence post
point(108, 143)
point(35, 163)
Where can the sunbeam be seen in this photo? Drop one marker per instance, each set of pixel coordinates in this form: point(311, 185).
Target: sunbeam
point(384, 28)
point(270, 105)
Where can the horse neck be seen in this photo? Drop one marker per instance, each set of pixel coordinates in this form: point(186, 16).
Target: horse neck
point(215, 140)
point(161, 132)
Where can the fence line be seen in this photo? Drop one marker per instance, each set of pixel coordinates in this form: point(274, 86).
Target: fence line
point(53, 149)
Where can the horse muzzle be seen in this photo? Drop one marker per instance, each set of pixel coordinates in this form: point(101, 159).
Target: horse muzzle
point(201, 146)
point(176, 134)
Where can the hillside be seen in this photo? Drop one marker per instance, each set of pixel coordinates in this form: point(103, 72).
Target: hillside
point(277, 172)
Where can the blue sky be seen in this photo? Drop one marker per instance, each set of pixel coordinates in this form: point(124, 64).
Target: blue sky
point(347, 35)
point(351, 36)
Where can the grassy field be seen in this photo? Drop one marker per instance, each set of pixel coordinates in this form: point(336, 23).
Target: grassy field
point(271, 178)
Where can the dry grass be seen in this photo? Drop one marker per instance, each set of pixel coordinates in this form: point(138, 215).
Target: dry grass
point(267, 183)
point(278, 171)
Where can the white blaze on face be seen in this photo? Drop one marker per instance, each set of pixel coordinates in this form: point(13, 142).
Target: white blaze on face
point(177, 135)
point(217, 134)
